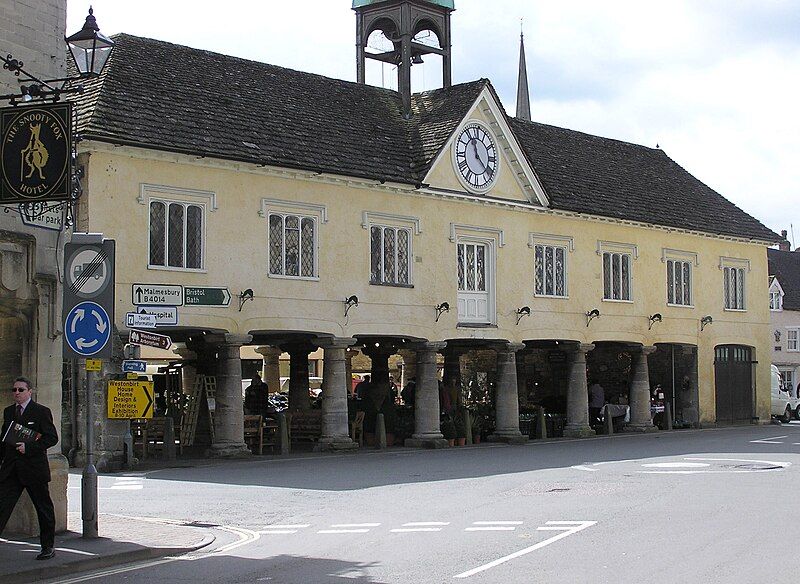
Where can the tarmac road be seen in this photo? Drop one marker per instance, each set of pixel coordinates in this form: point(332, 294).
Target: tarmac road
point(685, 506)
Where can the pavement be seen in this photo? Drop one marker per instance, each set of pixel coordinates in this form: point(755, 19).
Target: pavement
point(122, 540)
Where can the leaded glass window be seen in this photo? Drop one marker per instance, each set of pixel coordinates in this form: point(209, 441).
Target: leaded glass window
point(176, 235)
point(550, 273)
point(616, 276)
point(734, 288)
point(679, 282)
point(292, 245)
point(471, 267)
point(390, 253)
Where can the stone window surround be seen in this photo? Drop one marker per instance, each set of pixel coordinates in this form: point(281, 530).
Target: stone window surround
point(319, 213)
point(737, 264)
point(371, 219)
point(563, 241)
point(186, 197)
point(615, 247)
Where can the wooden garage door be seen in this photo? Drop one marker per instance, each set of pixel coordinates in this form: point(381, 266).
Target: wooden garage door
point(733, 372)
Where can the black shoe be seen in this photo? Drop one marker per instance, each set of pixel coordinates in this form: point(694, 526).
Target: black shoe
point(47, 553)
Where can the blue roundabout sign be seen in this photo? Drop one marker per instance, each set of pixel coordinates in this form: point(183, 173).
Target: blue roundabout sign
point(87, 328)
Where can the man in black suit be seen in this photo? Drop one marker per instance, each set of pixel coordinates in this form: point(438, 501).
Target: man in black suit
point(25, 467)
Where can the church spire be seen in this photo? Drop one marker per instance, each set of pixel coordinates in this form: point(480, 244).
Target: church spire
point(523, 98)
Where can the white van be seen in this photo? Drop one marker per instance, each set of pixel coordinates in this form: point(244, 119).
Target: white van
point(781, 402)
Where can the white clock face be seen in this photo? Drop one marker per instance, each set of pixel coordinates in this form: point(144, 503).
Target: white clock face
point(476, 156)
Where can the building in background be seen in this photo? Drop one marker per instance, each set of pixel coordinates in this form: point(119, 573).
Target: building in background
point(784, 307)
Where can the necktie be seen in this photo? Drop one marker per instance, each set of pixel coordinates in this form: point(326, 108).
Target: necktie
point(19, 412)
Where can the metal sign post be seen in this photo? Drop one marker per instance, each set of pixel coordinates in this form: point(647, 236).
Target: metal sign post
point(88, 321)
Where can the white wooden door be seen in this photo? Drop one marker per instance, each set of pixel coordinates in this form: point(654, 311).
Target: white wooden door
point(473, 282)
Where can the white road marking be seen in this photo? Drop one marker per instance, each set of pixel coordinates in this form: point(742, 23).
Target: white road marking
point(768, 440)
point(568, 528)
point(277, 531)
point(497, 523)
point(426, 523)
point(36, 546)
point(288, 526)
point(491, 528)
point(356, 525)
point(414, 529)
point(330, 531)
point(677, 465)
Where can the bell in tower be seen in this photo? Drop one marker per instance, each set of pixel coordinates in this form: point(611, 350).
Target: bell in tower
point(401, 21)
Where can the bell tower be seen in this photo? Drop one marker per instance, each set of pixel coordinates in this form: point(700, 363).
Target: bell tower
point(400, 21)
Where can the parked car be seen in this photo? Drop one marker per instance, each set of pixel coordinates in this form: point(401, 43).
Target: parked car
point(314, 386)
point(781, 402)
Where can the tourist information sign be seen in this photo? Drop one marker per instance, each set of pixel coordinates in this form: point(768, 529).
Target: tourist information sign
point(149, 339)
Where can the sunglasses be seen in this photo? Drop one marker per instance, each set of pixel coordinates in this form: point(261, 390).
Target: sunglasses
point(19, 389)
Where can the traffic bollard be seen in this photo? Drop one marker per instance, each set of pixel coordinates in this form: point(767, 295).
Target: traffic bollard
point(668, 415)
point(608, 421)
point(541, 427)
point(283, 434)
point(380, 433)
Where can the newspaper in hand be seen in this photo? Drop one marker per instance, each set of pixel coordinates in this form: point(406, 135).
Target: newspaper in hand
point(17, 433)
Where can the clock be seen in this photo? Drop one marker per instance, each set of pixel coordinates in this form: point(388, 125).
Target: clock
point(475, 157)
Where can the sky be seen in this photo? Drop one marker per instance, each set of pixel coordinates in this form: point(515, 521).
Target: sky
point(714, 83)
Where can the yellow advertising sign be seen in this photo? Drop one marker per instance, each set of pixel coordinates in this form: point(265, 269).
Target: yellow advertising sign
point(130, 399)
point(94, 364)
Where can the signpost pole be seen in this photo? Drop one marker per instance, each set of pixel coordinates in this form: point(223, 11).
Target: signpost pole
point(89, 478)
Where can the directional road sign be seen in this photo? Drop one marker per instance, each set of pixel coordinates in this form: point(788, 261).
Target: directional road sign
point(149, 339)
point(89, 277)
point(134, 319)
point(134, 366)
point(157, 294)
point(87, 329)
point(206, 296)
point(165, 315)
point(130, 399)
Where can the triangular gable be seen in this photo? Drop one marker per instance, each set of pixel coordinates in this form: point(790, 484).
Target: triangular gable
point(775, 286)
point(516, 178)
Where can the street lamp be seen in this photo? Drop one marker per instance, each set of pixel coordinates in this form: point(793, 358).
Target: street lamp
point(90, 48)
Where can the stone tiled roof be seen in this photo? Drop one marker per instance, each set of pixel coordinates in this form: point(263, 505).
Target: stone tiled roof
point(158, 95)
point(785, 265)
point(601, 176)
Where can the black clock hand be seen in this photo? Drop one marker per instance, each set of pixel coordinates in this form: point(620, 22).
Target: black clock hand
point(477, 156)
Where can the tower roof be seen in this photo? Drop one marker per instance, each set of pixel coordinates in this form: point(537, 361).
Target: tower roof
point(443, 3)
point(523, 97)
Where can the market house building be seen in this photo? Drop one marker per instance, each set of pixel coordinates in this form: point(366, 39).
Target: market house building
point(556, 252)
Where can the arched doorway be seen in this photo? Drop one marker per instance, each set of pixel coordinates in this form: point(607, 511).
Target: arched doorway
point(733, 374)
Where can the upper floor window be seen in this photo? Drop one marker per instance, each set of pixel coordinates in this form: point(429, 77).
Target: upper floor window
point(775, 301)
point(550, 270)
point(792, 343)
point(616, 276)
point(390, 255)
point(292, 245)
point(176, 235)
point(679, 282)
point(734, 290)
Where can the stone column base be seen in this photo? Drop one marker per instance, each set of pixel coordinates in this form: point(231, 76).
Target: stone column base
point(234, 450)
point(640, 428)
point(337, 444)
point(578, 431)
point(426, 441)
point(509, 437)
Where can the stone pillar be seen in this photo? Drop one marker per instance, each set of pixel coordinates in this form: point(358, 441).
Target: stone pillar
point(409, 365)
point(298, 374)
point(229, 413)
point(452, 368)
point(506, 399)
point(380, 361)
point(427, 431)
point(348, 363)
point(335, 388)
point(577, 425)
point(188, 372)
point(271, 367)
point(688, 391)
point(639, 398)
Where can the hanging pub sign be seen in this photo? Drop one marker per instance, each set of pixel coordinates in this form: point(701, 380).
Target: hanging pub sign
point(35, 153)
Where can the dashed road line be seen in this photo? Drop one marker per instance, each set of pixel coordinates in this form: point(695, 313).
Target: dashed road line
point(769, 440)
point(348, 525)
point(415, 529)
point(335, 531)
